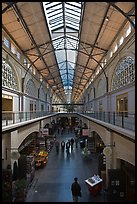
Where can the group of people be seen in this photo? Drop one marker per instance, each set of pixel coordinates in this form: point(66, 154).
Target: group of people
point(68, 144)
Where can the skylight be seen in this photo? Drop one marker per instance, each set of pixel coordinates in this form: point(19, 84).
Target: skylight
point(64, 22)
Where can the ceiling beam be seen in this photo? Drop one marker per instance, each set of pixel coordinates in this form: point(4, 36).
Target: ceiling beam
point(113, 4)
point(9, 5)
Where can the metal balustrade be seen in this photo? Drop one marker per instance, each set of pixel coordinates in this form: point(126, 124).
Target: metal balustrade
point(122, 119)
point(9, 118)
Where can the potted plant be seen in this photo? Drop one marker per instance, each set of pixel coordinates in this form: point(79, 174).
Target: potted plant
point(86, 152)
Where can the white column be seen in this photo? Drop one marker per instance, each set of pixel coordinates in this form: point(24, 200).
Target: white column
point(108, 153)
point(6, 145)
point(14, 144)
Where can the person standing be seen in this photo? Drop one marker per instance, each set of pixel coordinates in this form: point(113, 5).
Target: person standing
point(76, 190)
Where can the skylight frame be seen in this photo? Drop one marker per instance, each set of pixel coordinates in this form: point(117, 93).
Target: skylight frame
point(64, 24)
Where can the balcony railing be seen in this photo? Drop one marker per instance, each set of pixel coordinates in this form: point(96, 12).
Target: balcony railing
point(123, 119)
point(9, 118)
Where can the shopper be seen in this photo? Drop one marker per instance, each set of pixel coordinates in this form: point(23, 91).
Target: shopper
point(57, 145)
point(76, 142)
point(76, 190)
point(72, 143)
point(67, 146)
point(62, 145)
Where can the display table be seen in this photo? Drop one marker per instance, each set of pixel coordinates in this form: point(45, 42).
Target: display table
point(94, 184)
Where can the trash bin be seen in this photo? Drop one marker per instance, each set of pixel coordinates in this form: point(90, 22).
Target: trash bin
point(82, 143)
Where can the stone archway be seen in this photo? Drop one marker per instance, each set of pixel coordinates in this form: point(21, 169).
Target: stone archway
point(97, 141)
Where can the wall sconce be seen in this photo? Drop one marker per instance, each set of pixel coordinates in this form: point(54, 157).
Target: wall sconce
point(14, 154)
point(107, 18)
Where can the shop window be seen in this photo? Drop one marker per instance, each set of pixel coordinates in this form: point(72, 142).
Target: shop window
point(31, 106)
point(100, 106)
point(122, 104)
point(7, 107)
point(42, 107)
point(35, 107)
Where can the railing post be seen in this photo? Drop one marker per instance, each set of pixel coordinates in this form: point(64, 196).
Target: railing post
point(114, 118)
point(19, 116)
point(13, 117)
point(103, 116)
point(25, 116)
point(108, 117)
point(6, 119)
point(122, 119)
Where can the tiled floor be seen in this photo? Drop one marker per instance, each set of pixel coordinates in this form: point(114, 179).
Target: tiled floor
point(53, 182)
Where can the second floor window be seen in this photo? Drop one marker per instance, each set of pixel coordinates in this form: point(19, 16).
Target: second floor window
point(124, 73)
point(8, 76)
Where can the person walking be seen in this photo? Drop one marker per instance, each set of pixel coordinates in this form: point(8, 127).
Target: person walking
point(67, 147)
point(57, 145)
point(76, 142)
point(76, 190)
point(62, 145)
point(72, 143)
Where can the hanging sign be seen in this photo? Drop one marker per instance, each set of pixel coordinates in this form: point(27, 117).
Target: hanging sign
point(45, 132)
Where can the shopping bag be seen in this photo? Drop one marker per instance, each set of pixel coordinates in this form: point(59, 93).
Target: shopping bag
point(80, 194)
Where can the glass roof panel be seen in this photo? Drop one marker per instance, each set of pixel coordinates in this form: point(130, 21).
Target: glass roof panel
point(64, 21)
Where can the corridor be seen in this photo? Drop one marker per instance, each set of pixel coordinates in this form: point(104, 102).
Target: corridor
point(53, 182)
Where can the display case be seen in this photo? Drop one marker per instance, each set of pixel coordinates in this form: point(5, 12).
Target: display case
point(94, 184)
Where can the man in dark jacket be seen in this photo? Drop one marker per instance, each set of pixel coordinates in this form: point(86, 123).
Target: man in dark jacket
point(76, 189)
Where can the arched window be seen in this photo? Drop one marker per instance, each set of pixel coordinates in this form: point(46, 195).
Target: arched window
point(101, 88)
point(124, 73)
point(31, 88)
point(42, 94)
point(8, 76)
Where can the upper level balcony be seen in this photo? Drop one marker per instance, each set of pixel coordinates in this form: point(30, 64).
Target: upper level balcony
point(124, 120)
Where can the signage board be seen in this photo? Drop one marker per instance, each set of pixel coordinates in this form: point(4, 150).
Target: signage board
point(85, 132)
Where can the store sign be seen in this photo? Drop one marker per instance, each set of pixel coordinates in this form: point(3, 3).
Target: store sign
point(44, 131)
point(85, 132)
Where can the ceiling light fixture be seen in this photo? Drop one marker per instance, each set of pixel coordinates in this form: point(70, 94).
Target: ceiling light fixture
point(107, 18)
